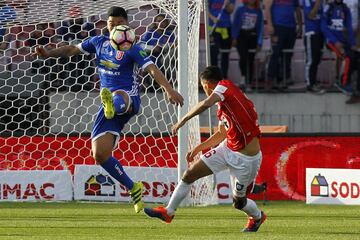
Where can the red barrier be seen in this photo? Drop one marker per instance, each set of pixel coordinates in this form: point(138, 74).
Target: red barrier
point(285, 158)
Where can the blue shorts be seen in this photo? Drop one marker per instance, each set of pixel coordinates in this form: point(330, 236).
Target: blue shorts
point(114, 125)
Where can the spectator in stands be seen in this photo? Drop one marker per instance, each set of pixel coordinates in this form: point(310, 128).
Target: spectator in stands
point(220, 30)
point(336, 25)
point(354, 7)
point(158, 37)
point(247, 35)
point(281, 23)
point(314, 42)
point(158, 41)
point(42, 35)
point(7, 15)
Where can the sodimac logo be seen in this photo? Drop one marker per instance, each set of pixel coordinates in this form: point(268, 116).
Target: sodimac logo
point(321, 187)
point(28, 191)
point(99, 185)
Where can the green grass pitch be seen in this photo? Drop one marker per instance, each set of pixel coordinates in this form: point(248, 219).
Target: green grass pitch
point(73, 220)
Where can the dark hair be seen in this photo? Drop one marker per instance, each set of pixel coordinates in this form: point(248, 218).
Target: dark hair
point(117, 12)
point(212, 74)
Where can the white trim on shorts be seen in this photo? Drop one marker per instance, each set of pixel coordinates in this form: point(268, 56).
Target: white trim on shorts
point(117, 137)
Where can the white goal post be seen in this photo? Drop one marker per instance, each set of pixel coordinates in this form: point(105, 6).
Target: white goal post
point(48, 106)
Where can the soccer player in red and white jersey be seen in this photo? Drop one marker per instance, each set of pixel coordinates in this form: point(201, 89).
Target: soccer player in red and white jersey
point(236, 145)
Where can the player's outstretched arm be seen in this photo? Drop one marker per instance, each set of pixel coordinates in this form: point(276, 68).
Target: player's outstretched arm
point(64, 51)
point(212, 141)
point(173, 96)
point(196, 110)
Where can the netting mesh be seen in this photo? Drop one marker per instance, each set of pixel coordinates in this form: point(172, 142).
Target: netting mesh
point(48, 106)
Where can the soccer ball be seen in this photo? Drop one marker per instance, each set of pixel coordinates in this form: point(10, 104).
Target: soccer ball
point(122, 37)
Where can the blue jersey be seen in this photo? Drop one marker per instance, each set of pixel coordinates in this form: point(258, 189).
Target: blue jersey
point(248, 19)
point(336, 24)
point(312, 25)
point(217, 9)
point(116, 68)
point(283, 12)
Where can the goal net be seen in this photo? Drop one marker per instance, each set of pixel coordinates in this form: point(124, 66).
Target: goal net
point(48, 106)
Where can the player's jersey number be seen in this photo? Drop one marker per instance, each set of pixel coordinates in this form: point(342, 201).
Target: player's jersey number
point(210, 153)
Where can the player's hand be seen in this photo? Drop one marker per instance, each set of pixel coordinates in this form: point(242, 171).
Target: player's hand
point(258, 48)
point(191, 155)
point(175, 97)
point(270, 29)
point(176, 127)
point(214, 19)
point(312, 15)
point(299, 32)
point(274, 39)
point(340, 47)
point(354, 48)
point(234, 43)
point(41, 52)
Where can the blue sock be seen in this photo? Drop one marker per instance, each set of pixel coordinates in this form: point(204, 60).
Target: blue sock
point(114, 168)
point(119, 103)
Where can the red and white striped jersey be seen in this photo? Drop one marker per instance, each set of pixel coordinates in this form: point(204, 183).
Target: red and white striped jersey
point(237, 113)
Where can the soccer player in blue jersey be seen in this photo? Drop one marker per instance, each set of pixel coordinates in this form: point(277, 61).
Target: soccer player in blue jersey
point(119, 95)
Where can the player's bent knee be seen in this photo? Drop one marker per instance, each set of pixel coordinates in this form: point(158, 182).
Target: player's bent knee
point(239, 203)
point(124, 102)
point(189, 176)
point(100, 156)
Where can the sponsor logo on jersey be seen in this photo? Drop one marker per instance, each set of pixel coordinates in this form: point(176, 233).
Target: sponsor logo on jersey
point(143, 53)
point(239, 187)
point(109, 64)
point(337, 24)
point(104, 48)
point(119, 55)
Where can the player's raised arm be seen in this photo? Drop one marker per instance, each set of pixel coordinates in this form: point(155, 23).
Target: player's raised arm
point(64, 51)
point(196, 110)
point(173, 96)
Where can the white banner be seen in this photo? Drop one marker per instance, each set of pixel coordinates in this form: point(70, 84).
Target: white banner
point(94, 183)
point(332, 186)
point(35, 185)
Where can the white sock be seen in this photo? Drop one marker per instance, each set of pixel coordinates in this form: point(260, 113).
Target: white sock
point(252, 210)
point(180, 192)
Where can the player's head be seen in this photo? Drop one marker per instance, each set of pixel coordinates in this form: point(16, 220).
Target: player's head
point(209, 78)
point(116, 16)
